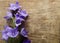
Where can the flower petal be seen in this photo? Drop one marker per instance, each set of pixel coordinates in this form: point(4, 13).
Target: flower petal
point(8, 16)
point(24, 32)
point(23, 13)
point(13, 34)
point(17, 22)
point(14, 6)
point(4, 35)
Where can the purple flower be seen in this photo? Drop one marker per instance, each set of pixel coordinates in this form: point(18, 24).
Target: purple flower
point(9, 32)
point(17, 15)
point(24, 32)
point(4, 35)
point(8, 16)
point(13, 33)
point(14, 6)
point(23, 13)
point(26, 41)
point(18, 20)
point(22, 17)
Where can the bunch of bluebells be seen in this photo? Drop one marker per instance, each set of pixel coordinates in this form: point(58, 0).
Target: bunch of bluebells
point(15, 27)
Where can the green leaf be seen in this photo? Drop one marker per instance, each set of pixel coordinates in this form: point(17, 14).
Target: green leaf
point(11, 22)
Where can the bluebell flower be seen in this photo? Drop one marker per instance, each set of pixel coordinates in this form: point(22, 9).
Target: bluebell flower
point(14, 6)
point(24, 32)
point(4, 35)
point(27, 41)
point(18, 20)
point(17, 15)
point(9, 32)
point(23, 13)
point(8, 16)
point(20, 16)
point(13, 33)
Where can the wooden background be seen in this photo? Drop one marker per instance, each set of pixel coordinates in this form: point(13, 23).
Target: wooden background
point(43, 23)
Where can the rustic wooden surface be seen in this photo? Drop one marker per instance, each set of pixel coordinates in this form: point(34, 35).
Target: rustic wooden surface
point(43, 23)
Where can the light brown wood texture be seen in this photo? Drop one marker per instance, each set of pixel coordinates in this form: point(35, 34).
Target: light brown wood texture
point(43, 23)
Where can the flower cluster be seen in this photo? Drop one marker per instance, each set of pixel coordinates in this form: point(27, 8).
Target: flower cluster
point(15, 18)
